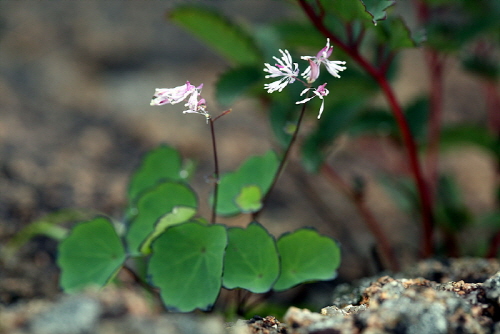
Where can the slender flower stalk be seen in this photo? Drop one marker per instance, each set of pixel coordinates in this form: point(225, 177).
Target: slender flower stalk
point(195, 105)
point(288, 72)
point(216, 172)
point(283, 161)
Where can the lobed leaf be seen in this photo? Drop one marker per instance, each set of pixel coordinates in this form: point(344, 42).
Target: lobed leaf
point(306, 256)
point(222, 35)
point(90, 255)
point(160, 164)
point(395, 34)
point(179, 214)
point(377, 8)
point(186, 265)
point(237, 189)
point(251, 261)
point(165, 198)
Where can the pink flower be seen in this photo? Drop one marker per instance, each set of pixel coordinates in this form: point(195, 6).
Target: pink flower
point(172, 95)
point(194, 105)
point(332, 66)
point(285, 69)
point(181, 93)
point(320, 92)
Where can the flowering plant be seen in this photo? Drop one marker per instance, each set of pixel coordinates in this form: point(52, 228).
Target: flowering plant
point(161, 225)
point(190, 259)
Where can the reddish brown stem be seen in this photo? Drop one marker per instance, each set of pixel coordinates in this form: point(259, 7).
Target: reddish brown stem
point(435, 65)
point(283, 161)
point(379, 77)
point(216, 172)
point(493, 107)
point(494, 246)
point(366, 214)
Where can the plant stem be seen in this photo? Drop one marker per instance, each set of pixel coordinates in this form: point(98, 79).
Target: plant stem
point(411, 148)
point(435, 65)
point(369, 218)
point(493, 107)
point(283, 161)
point(216, 172)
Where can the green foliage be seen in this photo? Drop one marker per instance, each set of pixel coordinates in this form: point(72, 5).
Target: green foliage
point(219, 33)
point(48, 225)
point(188, 259)
point(164, 198)
point(377, 8)
point(306, 256)
point(336, 119)
point(163, 163)
point(235, 82)
point(251, 260)
point(451, 212)
point(186, 265)
point(242, 191)
point(90, 255)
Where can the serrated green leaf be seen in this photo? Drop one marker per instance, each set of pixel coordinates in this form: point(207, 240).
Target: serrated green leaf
point(394, 33)
point(162, 163)
point(179, 214)
point(347, 10)
point(235, 82)
point(256, 171)
point(306, 256)
point(186, 264)
point(151, 206)
point(251, 261)
point(377, 8)
point(90, 255)
point(219, 33)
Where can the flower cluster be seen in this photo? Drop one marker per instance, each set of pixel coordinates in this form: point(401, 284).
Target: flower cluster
point(288, 72)
point(182, 93)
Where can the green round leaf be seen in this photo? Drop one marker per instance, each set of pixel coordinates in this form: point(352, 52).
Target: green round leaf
point(90, 255)
point(154, 204)
point(251, 260)
point(257, 171)
point(160, 164)
point(186, 265)
point(306, 256)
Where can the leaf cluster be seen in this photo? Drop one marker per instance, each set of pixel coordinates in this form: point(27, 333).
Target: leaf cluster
point(187, 258)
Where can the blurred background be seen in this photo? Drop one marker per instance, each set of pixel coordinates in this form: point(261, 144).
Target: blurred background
point(76, 79)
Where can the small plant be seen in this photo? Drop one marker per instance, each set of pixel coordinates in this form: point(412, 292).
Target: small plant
point(187, 257)
point(190, 259)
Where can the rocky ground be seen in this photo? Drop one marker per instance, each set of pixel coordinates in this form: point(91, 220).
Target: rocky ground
point(455, 296)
